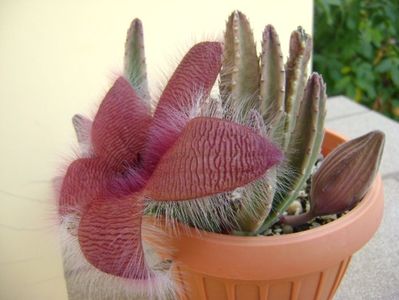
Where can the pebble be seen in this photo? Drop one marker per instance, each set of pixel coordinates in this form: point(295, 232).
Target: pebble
point(302, 194)
point(315, 224)
point(329, 217)
point(295, 208)
point(287, 229)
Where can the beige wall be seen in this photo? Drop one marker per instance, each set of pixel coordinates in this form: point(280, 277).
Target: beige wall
point(58, 58)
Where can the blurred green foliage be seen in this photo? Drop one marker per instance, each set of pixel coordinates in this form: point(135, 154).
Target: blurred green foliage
point(357, 51)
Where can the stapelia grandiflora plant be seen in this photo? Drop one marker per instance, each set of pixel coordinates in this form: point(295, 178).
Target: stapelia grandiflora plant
point(131, 156)
point(230, 163)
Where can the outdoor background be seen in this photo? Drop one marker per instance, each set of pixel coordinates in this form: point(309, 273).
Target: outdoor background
point(357, 50)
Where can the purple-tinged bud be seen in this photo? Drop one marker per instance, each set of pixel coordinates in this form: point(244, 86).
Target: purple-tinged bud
point(346, 174)
point(344, 177)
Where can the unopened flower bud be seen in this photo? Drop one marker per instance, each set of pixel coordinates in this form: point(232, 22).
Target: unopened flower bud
point(344, 177)
point(346, 174)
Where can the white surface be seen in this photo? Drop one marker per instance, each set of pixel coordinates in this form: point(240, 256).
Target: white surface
point(57, 58)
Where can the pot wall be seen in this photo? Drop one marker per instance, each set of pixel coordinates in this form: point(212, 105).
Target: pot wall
point(316, 285)
point(306, 265)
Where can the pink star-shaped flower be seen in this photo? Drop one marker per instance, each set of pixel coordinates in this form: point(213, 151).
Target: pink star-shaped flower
point(168, 156)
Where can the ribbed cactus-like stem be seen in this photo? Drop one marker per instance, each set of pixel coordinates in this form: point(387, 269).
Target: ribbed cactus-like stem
point(257, 204)
point(272, 80)
point(135, 68)
point(306, 140)
point(307, 136)
point(239, 77)
point(294, 115)
point(296, 74)
point(251, 217)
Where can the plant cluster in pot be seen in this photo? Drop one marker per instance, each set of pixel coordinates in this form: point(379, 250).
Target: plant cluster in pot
point(204, 196)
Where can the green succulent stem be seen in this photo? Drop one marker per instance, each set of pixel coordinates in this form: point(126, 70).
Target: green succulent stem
point(135, 68)
point(239, 77)
point(306, 139)
point(251, 217)
point(296, 74)
point(256, 205)
point(272, 81)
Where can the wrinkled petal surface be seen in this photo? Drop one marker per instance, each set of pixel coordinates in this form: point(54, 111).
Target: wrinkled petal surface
point(195, 76)
point(120, 126)
point(211, 156)
point(110, 237)
point(85, 180)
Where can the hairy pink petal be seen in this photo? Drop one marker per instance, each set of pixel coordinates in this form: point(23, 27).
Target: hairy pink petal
point(85, 179)
point(110, 237)
point(194, 77)
point(211, 156)
point(120, 126)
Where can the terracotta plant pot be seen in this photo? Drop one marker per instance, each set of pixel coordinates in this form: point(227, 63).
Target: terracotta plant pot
point(305, 265)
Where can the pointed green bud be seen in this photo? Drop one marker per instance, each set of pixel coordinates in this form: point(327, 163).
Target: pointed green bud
point(304, 144)
point(257, 200)
point(239, 77)
point(135, 68)
point(296, 69)
point(272, 81)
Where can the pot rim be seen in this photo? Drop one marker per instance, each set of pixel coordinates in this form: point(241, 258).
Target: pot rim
point(276, 257)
